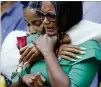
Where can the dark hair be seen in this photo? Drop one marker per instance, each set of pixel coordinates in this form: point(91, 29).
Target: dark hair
point(68, 13)
point(31, 4)
point(24, 3)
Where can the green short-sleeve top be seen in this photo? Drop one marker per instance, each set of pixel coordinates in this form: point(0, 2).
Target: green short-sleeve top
point(81, 72)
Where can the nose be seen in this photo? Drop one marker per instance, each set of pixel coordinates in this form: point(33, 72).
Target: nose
point(46, 21)
point(32, 29)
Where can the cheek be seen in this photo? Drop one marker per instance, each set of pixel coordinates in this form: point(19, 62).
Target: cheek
point(40, 29)
point(41, 26)
point(53, 24)
point(32, 29)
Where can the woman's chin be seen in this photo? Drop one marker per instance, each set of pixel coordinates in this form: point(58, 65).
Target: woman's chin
point(51, 33)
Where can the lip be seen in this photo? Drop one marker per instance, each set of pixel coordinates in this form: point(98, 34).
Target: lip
point(50, 29)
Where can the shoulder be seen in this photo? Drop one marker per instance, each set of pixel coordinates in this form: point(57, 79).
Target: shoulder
point(83, 31)
point(17, 33)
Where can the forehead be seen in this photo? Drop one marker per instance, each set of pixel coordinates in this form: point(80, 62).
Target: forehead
point(47, 6)
point(30, 14)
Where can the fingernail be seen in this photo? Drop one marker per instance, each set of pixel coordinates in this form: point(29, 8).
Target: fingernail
point(33, 77)
point(78, 57)
point(73, 60)
point(25, 63)
point(38, 73)
point(82, 52)
point(19, 65)
point(83, 48)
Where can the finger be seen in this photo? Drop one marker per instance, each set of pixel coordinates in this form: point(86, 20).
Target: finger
point(63, 46)
point(73, 50)
point(35, 81)
point(29, 81)
point(39, 80)
point(70, 46)
point(67, 58)
point(31, 58)
point(42, 77)
point(28, 55)
point(22, 49)
point(76, 47)
point(70, 54)
point(24, 54)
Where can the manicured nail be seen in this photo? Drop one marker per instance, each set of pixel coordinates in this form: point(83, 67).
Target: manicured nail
point(19, 65)
point(78, 57)
point(38, 73)
point(33, 77)
point(82, 52)
point(42, 77)
point(73, 60)
point(25, 63)
point(83, 48)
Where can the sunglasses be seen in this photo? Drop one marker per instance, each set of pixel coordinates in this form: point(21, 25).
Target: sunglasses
point(50, 16)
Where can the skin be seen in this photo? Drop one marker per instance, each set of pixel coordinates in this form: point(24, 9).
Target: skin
point(29, 52)
point(32, 28)
point(50, 26)
point(57, 76)
point(49, 56)
point(33, 80)
point(30, 18)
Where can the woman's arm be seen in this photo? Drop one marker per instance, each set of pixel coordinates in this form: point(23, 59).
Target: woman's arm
point(78, 75)
point(30, 52)
point(56, 75)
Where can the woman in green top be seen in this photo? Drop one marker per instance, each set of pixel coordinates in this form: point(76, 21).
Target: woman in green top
point(60, 72)
point(35, 26)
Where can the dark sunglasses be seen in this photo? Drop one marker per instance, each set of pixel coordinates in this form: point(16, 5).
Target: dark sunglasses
point(50, 16)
